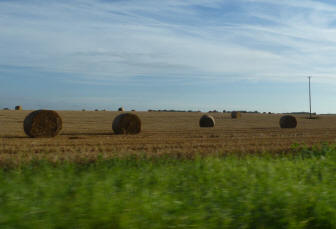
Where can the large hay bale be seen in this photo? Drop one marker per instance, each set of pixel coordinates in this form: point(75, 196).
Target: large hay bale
point(18, 108)
point(235, 114)
point(126, 123)
point(121, 109)
point(207, 121)
point(288, 121)
point(42, 124)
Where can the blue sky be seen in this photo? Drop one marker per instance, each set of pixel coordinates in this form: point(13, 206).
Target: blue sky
point(172, 54)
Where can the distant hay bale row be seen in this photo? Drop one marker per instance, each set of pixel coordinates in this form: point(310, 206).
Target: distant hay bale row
point(119, 109)
point(17, 108)
point(287, 121)
point(47, 123)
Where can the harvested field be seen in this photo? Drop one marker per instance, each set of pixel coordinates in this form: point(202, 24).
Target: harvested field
point(88, 134)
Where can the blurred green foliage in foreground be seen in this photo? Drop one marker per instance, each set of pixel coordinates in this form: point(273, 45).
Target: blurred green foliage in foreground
point(255, 191)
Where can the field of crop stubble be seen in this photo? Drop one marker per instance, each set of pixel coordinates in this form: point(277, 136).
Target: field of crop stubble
point(81, 181)
point(86, 135)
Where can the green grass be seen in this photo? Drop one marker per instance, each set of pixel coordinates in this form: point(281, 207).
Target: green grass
point(248, 192)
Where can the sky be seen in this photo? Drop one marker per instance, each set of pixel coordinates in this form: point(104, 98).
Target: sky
point(168, 54)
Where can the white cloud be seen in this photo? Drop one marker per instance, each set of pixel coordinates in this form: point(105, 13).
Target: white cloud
point(102, 39)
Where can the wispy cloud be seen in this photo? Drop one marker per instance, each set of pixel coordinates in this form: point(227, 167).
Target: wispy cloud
point(101, 39)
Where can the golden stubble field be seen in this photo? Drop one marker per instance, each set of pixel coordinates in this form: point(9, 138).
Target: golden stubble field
point(88, 134)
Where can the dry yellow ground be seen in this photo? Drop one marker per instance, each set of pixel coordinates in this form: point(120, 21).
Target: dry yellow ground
point(88, 134)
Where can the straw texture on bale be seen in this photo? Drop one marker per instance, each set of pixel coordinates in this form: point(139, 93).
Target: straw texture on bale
point(121, 109)
point(18, 108)
point(288, 121)
point(42, 124)
point(126, 124)
point(207, 121)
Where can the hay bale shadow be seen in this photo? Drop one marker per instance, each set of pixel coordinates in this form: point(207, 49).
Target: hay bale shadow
point(87, 133)
point(13, 136)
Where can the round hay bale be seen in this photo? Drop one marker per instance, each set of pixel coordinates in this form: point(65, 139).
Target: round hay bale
point(235, 114)
point(18, 108)
point(42, 124)
point(207, 121)
point(121, 109)
point(288, 121)
point(126, 124)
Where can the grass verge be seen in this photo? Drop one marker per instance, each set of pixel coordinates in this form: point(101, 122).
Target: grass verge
point(210, 192)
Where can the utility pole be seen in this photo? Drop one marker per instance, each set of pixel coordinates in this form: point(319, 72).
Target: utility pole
point(310, 115)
